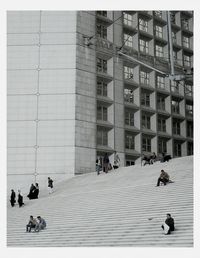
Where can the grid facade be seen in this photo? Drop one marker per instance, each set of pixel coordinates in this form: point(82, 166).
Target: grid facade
point(69, 101)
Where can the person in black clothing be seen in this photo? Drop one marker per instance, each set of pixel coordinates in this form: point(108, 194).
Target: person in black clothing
point(165, 157)
point(31, 191)
point(106, 163)
point(12, 198)
point(34, 192)
point(50, 185)
point(20, 199)
point(170, 223)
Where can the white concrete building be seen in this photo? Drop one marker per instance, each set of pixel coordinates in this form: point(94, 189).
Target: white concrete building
point(71, 98)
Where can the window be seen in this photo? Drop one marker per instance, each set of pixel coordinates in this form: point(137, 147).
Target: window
point(128, 19)
point(129, 141)
point(188, 90)
point(144, 46)
point(176, 128)
point(146, 144)
point(129, 118)
point(177, 149)
point(101, 65)
point(185, 23)
point(144, 77)
point(101, 88)
point(161, 124)
point(190, 129)
point(174, 86)
point(146, 122)
point(102, 113)
point(189, 109)
point(159, 51)
point(130, 163)
point(175, 107)
point(128, 73)
point(186, 41)
point(174, 37)
point(160, 102)
point(159, 31)
point(145, 99)
point(128, 95)
point(160, 82)
point(162, 146)
point(103, 13)
point(158, 14)
point(190, 148)
point(101, 31)
point(143, 25)
point(128, 40)
point(102, 136)
point(175, 55)
point(187, 60)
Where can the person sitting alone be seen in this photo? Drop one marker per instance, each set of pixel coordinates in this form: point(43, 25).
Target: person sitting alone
point(31, 224)
point(41, 224)
point(169, 225)
point(164, 178)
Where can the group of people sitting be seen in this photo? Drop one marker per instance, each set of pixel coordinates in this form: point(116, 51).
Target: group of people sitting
point(36, 224)
point(150, 159)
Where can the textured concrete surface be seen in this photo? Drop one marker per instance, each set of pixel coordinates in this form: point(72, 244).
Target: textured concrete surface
point(111, 209)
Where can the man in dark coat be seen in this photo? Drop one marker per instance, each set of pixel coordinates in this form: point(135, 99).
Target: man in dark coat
point(20, 199)
point(105, 163)
point(31, 191)
point(12, 198)
point(170, 223)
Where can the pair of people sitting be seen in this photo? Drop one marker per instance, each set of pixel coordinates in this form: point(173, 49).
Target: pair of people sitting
point(150, 159)
point(36, 225)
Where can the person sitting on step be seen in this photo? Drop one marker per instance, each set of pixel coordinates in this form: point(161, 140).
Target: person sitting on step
point(169, 225)
point(41, 224)
point(31, 224)
point(164, 177)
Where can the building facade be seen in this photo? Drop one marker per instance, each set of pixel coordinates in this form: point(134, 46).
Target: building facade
point(73, 97)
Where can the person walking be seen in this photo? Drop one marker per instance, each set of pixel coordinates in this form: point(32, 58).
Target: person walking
point(50, 185)
point(31, 191)
point(168, 226)
point(12, 198)
point(20, 199)
point(106, 162)
point(164, 177)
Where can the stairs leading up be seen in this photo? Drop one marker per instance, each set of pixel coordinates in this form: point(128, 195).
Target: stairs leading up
point(121, 208)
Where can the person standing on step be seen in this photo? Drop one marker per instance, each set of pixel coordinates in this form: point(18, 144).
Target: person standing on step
point(116, 160)
point(106, 162)
point(20, 199)
point(168, 226)
point(31, 224)
point(50, 185)
point(98, 165)
point(12, 198)
point(164, 177)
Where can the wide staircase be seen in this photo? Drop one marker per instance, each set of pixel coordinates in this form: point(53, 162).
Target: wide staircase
point(121, 208)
